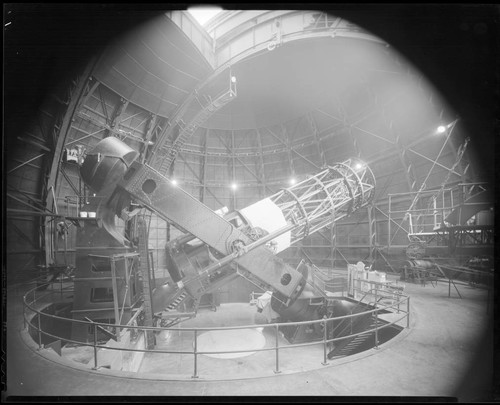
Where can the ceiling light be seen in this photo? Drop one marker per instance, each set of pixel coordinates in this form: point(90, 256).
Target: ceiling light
point(441, 129)
point(174, 182)
point(233, 79)
point(293, 181)
point(234, 186)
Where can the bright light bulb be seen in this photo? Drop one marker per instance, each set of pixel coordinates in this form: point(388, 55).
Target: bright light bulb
point(174, 182)
point(233, 79)
point(234, 186)
point(292, 181)
point(441, 129)
point(358, 166)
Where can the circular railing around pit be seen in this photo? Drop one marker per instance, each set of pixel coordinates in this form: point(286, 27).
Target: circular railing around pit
point(41, 296)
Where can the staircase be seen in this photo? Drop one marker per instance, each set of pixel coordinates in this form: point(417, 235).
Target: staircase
point(361, 323)
point(355, 344)
point(179, 296)
point(205, 110)
point(171, 315)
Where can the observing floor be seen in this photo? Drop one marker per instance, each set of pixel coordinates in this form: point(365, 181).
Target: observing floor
point(446, 352)
point(230, 366)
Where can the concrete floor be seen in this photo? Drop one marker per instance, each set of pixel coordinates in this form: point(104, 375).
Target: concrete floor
point(447, 352)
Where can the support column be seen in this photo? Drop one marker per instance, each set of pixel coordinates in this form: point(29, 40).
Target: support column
point(233, 172)
point(261, 164)
point(288, 142)
point(314, 128)
point(372, 233)
point(50, 192)
point(203, 169)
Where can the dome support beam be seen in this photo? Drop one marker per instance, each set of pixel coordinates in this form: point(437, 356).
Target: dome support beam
point(271, 29)
point(80, 92)
point(198, 107)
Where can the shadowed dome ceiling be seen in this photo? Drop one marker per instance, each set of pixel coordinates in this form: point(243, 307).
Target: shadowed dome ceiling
point(330, 90)
point(309, 101)
point(316, 98)
point(155, 66)
point(300, 77)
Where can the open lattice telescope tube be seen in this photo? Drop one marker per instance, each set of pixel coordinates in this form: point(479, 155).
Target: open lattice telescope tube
point(316, 202)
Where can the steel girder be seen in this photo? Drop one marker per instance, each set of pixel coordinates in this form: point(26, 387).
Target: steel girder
point(82, 89)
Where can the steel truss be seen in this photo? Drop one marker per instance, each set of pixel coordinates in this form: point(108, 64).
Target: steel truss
point(185, 122)
point(329, 196)
point(462, 236)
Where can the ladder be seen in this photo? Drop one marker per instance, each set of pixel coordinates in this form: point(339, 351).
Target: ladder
point(146, 281)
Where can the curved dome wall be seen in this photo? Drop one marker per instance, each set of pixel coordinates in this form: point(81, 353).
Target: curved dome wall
point(155, 67)
point(312, 102)
point(312, 89)
point(317, 97)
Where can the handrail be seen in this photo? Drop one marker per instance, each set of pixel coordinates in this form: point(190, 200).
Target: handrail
point(325, 341)
point(198, 328)
point(360, 303)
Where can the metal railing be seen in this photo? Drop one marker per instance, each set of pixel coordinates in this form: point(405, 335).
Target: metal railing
point(34, 303)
